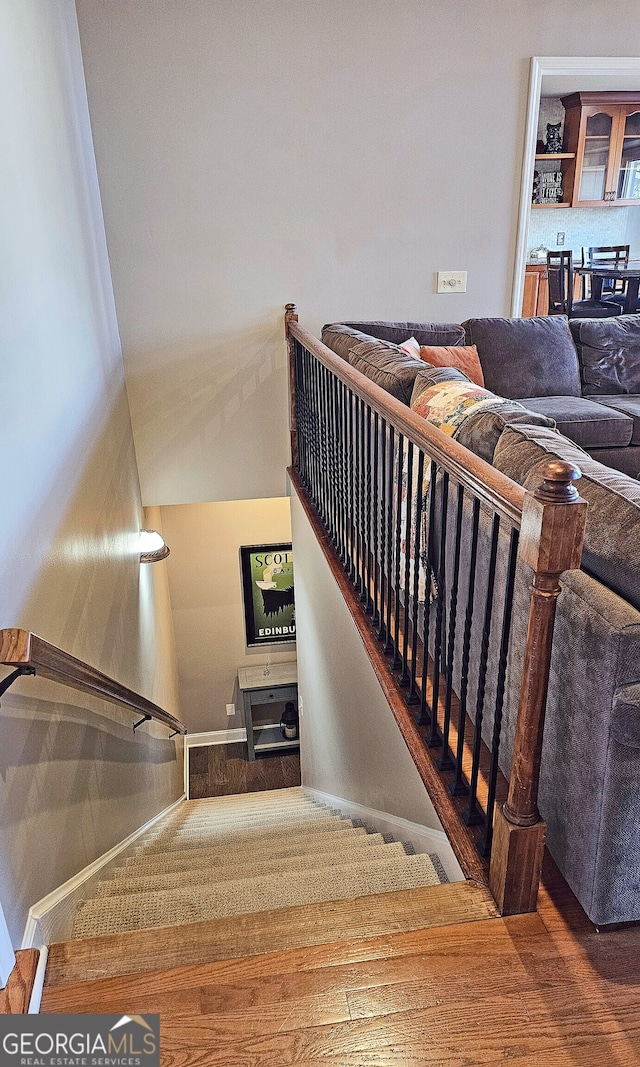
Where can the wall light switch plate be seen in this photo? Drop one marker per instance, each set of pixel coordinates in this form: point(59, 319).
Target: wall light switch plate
point(560, 238)
point(231, 709)
point(451, 281)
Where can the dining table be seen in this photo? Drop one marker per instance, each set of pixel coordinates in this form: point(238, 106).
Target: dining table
point(628, 272)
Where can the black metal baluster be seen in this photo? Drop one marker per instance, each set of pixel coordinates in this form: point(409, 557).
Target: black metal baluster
point(360, 496)
point(334, 470)
point(405, 677)
point(351, 459)
point(344, 478)
point(445, 763)
point(323, 452)
point(311, 418)
point(484, 846)
point(388, 634)
point(384, 528)
point(375, 620)
point(324, 448)
point(412, 696)
point(434, 740)
point(396, 661)
point(472, 814)
point(342, 452)
point(459, 786)
point(366, 569)
point(424, 716)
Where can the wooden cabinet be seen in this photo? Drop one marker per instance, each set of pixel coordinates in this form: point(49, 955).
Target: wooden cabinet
point(603, 131)
point(547, 165)
point(535, 299)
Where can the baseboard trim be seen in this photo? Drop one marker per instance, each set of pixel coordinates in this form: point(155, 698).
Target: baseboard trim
point(215, 737)
point(50, 918)
point(423, 838)
point(38, 982)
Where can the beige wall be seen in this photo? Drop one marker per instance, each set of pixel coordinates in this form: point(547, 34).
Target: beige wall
point(206, 597)
point(336, 154)
point(73, 779)
point(350, 746)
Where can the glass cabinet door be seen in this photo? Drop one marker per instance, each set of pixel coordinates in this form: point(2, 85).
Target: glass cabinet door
point(597, 148)
point(628, 187)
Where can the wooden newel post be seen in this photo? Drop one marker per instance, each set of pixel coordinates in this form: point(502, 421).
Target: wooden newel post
point(551, 535)
point(290, 315)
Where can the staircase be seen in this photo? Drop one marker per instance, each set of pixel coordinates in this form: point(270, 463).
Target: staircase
point(237, 855)
point(260, 928)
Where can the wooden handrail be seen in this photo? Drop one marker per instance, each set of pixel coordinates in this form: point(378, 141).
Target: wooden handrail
point(496, 489)
point(22, 649)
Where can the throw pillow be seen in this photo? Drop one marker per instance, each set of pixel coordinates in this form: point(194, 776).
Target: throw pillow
point(411, 347)
point(464, 357)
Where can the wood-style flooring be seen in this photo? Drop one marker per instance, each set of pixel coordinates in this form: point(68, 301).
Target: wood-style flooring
point(218, 770)
point(367, 987)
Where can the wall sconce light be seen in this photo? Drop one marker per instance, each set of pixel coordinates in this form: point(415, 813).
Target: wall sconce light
point(152, 547)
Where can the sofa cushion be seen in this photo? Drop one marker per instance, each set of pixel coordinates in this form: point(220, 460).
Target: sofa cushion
point(464, 357)
point(583, 421)
point(341, 339)
point(611, 545)
point(526, 357)
point(626, 460)
point(383, 364)
point(628, 404)
point(609, 353)
point(425, 333)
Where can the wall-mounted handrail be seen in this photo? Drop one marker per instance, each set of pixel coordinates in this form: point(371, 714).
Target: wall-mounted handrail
point(29, 654)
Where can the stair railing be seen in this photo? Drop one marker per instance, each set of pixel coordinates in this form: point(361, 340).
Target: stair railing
point(430, 545)
point(30, 655)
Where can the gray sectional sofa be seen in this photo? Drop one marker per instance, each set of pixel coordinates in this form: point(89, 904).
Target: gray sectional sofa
point(577, 376)
point(583, 374)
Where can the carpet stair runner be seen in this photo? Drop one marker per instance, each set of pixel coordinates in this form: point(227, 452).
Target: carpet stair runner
point(236, 855)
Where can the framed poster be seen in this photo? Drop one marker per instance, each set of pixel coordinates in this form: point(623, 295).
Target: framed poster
point(267, 592)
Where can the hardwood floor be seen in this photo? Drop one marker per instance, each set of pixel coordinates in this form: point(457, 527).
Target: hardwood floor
point(218, 770)
point(541, 990)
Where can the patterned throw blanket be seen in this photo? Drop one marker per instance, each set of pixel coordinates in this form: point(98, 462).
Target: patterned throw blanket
point(448, 404)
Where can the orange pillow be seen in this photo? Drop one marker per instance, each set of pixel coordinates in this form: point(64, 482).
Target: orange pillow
point(463, 357)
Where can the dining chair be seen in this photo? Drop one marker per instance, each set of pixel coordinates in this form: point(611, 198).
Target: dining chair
point(561, 280)
point(613, 289)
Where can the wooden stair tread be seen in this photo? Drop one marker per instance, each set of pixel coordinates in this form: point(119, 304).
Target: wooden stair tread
point(376, 962)
point(161, 948)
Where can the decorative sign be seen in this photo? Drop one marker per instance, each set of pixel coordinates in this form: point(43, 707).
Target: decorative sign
point(267, 588)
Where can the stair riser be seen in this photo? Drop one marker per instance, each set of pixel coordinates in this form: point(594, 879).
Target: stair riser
point(236, 898)
point(233, 872)
point(272, 848)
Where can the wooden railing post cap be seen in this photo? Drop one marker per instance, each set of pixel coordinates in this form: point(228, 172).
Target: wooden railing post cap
point(557, 487)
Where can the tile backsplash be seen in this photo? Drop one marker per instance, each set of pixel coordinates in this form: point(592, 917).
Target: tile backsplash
point(584, 227)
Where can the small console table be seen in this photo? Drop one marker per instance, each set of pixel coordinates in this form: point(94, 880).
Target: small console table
point(260, 693)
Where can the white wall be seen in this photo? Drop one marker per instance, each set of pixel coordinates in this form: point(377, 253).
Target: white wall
point(350, 745)
point(72, 782)
point(336, 154)
point(206, 597)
